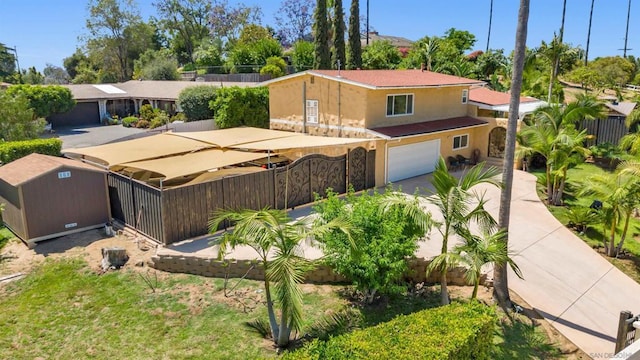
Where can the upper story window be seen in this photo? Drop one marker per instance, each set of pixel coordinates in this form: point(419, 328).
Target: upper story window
point(312, 111)
point(465, 96)
point(401, 104)
point(460, 141)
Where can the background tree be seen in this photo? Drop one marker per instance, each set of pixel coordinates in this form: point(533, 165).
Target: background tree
point(208, 55)
point(381, 55)
point(73, 62)
point(275, 67)
point(339, 57)
point(226, 22)
point(459, 204)
point(117, 35)
point(44, 100)
point(355, 45)
point(7, 63)
point(235, 106)
point(32, 76)
point(276, 238)
point(321, 36)
point(251, 51)
point(388, 227)
point(156, 65)
point(55, 75)
point(17, 120)
point(294, 20)
point(302, 55)
point(186, 21)
point(606, 72)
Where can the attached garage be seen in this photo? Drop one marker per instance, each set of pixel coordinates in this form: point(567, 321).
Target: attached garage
point(84, 113)
point(411, 160)
point(46, 197)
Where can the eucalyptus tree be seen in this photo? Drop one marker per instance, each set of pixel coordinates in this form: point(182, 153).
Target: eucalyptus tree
point(276, 239)
point(460, 205)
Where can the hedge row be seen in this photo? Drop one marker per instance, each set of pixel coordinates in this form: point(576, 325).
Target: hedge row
point(13, 150)
point(457, 331)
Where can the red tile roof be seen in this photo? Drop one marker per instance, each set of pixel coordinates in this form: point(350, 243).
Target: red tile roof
point(429, 126)
point(395, 78)
point(490, 97)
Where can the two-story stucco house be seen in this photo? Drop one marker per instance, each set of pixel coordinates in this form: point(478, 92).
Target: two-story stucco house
point(416, 115)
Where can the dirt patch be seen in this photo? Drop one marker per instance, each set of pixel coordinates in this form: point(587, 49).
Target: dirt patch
point(17, 257)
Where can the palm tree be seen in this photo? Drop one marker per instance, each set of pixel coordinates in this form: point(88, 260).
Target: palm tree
point(455, 200)
point(500, 278)
point(430, 50)
point(586, 53)
point(490, 18)
point(555, 65)
point(553, 135)
point(276, 238)
point(620, 194)
point(476, 252)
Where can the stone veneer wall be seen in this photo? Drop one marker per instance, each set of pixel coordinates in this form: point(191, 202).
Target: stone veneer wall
point(322, 274)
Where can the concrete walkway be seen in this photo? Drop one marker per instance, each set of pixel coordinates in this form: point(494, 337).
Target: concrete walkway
point(578, 291)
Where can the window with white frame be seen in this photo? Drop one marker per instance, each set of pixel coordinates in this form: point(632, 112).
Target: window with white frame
point(465, 96)
point(460, 141)
point(401, 104)
point(312, 111)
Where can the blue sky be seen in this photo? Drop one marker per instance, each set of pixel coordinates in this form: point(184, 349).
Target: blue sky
point(46, 31)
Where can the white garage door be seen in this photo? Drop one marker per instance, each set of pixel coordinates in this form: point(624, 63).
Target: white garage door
point(412, 160)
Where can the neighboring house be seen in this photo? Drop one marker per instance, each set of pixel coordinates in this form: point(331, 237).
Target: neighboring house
point(402, 44)
point(96, 101)
point(417, 115)
point(493, 107)
point(613, 128)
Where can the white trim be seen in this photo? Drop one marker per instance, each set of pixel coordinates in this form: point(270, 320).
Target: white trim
point(387, 137)
point(413, 100)
point(63, 233)
point(465, 96)
point(453, 142)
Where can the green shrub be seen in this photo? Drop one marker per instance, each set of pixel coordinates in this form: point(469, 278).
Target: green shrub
point(160, 119)
point(179, 117)
point(13, 150)
point(457, 331)
point(195, 100)
point(147, 112)
point(130, 121)
point(235, 106)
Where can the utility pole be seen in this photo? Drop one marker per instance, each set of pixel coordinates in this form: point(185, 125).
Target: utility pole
point(586, 54)
point(368, 20)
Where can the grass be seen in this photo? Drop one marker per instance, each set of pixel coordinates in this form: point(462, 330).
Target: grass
point(64, 310)
point(5, 236)
point(629, 263)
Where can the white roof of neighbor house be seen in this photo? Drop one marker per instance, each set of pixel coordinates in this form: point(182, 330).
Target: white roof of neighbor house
point(523, 109)
point(622, 107)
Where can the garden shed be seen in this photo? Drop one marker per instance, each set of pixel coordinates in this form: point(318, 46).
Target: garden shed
point(46, 197)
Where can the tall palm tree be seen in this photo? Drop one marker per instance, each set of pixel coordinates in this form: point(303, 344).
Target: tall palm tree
point(476, 252)
point(490, 18)
point(500, 279)
point(459, 205)
point(555, 65)
point(275, 238)
point(586, 53)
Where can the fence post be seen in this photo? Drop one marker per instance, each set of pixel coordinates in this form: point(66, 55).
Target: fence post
point(621, 338)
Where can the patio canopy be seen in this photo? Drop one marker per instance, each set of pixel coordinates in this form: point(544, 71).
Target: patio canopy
point(234, 136)
point(193, 163)
point(149, 147)
point(297, 141)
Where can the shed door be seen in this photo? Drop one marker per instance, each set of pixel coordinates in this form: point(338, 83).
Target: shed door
point(412, 160)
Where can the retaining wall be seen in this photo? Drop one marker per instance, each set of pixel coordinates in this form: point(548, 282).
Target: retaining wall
point(252, 269)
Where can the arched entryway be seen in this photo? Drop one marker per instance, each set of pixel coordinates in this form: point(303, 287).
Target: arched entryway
point(497, 142)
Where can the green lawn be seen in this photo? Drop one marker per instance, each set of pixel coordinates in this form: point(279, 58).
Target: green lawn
point(594, 233)
point(64, 310)
point(5, 236)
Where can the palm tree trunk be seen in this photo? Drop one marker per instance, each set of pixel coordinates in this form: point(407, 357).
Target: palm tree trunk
point(624, 232)
point(490, 18)
point(549, 186)
point(272, 315)
point(501, 288)
point(475, 288)
point(611, 251)
point(285, 330)
point(586, 52)
point(556, 63)
point(444, 291)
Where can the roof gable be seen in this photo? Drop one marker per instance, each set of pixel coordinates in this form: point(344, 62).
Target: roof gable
point(487, 96)
point(35, 165)
point(386, 79)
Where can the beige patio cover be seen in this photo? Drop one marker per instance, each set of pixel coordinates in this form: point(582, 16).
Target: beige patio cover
point(298, 141)
point(219, 174)
point(149, 147)
point(182, 165)
point(234, 136)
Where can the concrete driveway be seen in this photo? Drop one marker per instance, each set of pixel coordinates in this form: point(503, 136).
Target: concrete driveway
point(578, 291)
point(78, 137)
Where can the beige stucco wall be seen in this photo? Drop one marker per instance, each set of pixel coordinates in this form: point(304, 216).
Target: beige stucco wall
point(429, 104)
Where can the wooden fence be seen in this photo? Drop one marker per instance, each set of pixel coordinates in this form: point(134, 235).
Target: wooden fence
point(609, 130)
point(179, 213)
